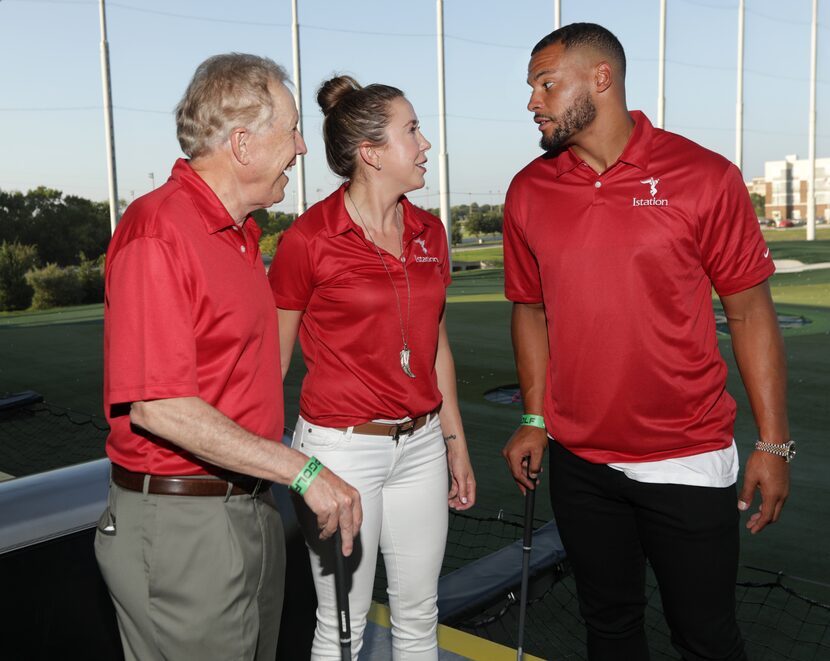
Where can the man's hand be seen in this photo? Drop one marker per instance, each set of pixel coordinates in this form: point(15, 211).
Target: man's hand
point(769, 474)
point(336, 505)
point(527, 441)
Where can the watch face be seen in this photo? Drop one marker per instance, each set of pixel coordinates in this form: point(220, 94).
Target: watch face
point(790, 451)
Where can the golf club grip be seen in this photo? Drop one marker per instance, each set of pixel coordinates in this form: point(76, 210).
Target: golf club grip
point(527, 537)
point(342, 595)
point(530, 504)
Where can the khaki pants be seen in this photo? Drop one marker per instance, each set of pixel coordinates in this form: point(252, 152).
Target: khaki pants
point(193, 577)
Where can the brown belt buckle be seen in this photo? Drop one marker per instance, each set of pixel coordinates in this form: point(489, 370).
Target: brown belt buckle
point(407, 427)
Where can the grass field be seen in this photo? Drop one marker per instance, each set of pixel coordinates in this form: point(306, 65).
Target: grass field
point(58, 353)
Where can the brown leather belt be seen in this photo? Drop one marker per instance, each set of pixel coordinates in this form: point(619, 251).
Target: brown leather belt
point(199, 485)
point(395, 430)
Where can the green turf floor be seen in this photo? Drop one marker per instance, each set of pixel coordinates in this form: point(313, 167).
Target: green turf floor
point(59, 354)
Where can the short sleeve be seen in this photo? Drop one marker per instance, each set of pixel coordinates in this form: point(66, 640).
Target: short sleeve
point(733, 251)
point(151, 351)
point(291, 273)
point(522, 283)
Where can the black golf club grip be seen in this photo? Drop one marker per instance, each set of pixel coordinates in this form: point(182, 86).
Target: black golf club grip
point(342, 594)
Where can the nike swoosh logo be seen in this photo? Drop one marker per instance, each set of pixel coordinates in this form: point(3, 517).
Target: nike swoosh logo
point(766, 253)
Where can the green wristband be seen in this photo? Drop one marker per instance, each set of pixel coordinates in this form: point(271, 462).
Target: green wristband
point(533, 421)
point(306, 476)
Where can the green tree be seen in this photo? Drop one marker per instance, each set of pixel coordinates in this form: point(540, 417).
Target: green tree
point(475, 222)
point(55, 287)
point(15, 261)
point(268, 244)
point(90, 274)
point(759, 203)
point(273, 223)
point(60, 226)
point(456, 233)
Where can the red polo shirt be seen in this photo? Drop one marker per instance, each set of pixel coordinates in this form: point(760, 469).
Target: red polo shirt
point(624, 263)
point(188, 313)
point(350, 331)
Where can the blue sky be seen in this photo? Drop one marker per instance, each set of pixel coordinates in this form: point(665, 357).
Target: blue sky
point(50, 81)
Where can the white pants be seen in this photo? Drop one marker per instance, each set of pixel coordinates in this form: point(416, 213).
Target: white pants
point(403, 488)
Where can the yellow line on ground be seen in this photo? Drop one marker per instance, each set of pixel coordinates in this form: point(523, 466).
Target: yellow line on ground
point(455, 641)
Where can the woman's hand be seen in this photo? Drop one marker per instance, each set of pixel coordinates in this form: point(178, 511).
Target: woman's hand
point(462, 494)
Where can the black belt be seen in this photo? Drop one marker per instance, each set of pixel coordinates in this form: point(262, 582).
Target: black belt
point(199, 485)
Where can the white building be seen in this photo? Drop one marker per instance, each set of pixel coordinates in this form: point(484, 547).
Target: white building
point(786, 188)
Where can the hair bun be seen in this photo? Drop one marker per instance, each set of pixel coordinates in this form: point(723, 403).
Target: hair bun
point(332, 92)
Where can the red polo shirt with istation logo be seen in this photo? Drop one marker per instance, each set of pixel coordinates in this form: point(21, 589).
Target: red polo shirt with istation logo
point(624, 263)
point(188, 313)
point(351, 329)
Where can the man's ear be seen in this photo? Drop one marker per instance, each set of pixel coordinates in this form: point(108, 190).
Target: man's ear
point(602, 77)
point(239, 145)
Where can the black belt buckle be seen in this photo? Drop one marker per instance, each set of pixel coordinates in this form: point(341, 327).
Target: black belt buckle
point(407, 427)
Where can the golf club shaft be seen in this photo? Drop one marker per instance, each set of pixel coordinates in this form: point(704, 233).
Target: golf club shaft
point(527, 542)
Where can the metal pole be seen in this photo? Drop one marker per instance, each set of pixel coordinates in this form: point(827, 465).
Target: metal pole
point(109, 134)
point(298, 97)
point(557, 14)
point(661, 70)
point(811, 181)
point(443, 158)
point(739, 106)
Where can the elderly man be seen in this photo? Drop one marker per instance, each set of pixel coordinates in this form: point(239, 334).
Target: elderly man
point(191, 545)
point(613, 241)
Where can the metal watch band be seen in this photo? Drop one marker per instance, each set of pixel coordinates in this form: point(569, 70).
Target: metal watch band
point(785, 450)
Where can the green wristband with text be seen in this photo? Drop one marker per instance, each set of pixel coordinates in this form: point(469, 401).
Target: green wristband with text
point(533, 421)
point(306, 476)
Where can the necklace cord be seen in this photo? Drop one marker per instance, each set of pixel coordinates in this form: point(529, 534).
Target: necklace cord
point(398, 224)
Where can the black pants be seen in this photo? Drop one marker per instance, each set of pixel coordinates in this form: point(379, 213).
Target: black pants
point(611, 524)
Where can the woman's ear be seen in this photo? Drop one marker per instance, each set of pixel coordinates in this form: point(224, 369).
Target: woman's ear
point(370, 155)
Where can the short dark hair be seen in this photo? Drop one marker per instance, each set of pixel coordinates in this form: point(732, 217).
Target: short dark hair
point(585, 34)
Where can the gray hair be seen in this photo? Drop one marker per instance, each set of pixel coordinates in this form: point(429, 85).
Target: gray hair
point(227, 91)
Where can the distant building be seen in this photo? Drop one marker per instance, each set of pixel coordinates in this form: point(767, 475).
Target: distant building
point(786, 188)
point(758, 186)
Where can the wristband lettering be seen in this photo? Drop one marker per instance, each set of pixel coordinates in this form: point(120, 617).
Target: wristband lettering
point(533, 421)
point(306, 476)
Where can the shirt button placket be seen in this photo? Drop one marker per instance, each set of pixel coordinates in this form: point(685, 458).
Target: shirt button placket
point(598, 199)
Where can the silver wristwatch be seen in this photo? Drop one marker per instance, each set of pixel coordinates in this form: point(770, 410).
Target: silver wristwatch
point(786, 450)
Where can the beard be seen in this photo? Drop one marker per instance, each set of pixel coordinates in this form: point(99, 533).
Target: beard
point(571, 121)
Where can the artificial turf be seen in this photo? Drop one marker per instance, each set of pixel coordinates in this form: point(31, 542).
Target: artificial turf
point(59, 354)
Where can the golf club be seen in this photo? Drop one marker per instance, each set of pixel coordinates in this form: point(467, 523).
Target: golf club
point(527, 542)
point(342, 594)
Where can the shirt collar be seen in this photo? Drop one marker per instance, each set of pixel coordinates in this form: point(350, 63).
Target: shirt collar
point(637, 151)
point(338, 220)
point(210, 208)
